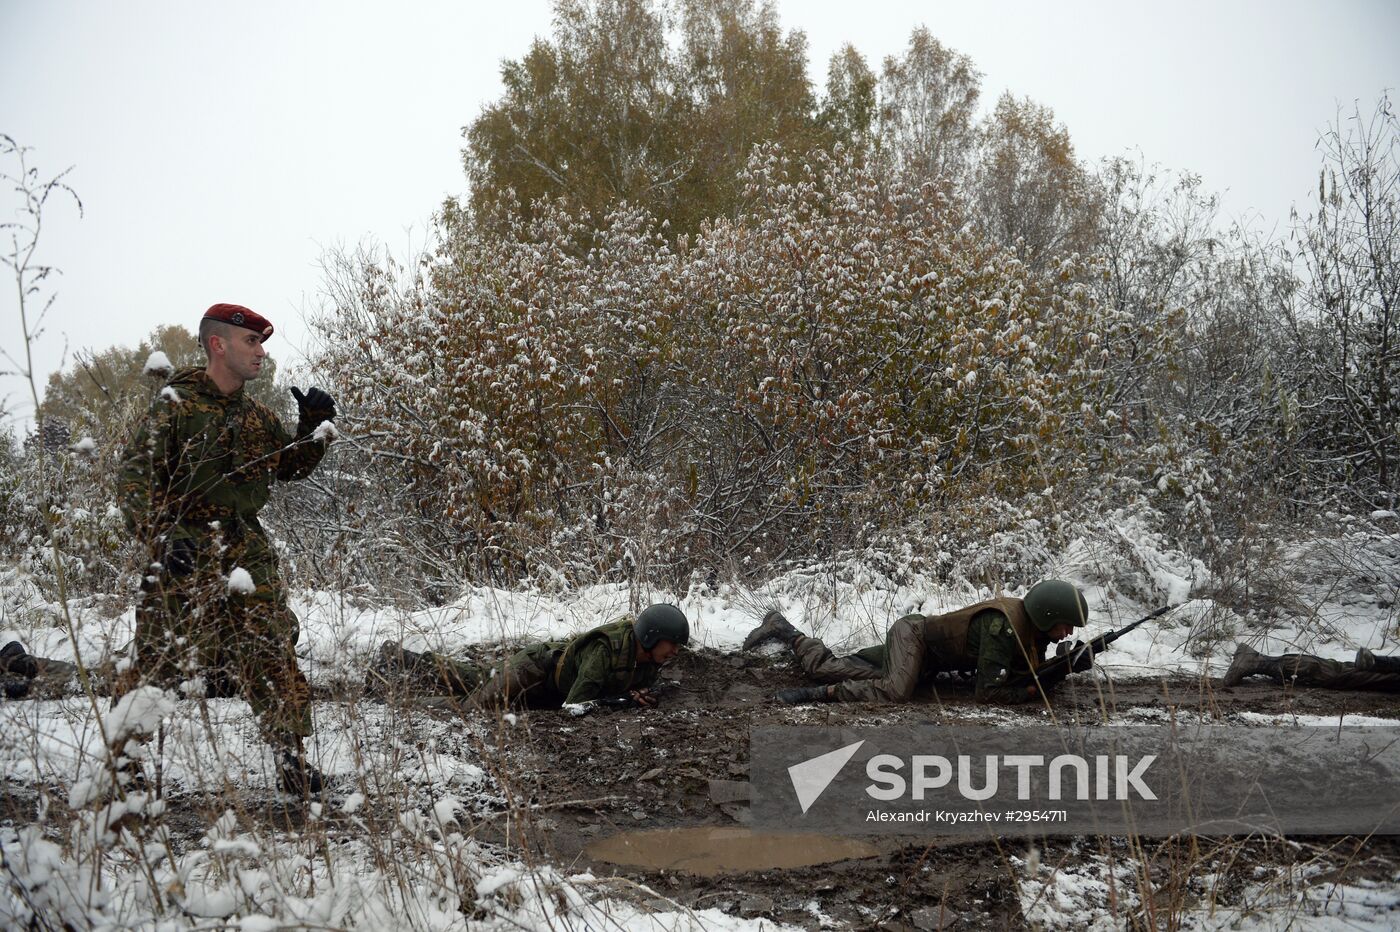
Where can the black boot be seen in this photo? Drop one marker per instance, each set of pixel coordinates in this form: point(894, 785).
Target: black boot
point(17, 671)
point(297, 776)
point(1249, 662)
point(773, 627)
point(15, 661)
point(800, 695)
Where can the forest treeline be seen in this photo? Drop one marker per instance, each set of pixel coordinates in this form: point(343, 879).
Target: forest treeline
point(698, 316)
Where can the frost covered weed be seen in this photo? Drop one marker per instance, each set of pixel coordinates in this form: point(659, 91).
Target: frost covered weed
point(22, 605)
point(1361, 555)
point(1256, 579)
point(1315, 582)
point(1212, 631)
point(1284, 883)
point(1092, 894)
point(1197, 883)
point(996, 542)
point(397, 847)
point(183, 826)
point(55, 510)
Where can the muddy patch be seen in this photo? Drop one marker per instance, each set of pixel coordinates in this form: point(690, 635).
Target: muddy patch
point(710, 850)
point(681, 772)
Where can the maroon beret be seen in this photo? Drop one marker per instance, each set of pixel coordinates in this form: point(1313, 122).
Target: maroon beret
point(240, 316)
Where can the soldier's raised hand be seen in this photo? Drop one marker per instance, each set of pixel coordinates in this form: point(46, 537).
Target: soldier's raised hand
point(313, 408)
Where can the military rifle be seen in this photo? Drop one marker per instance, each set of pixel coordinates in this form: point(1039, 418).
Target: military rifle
point(1061, 665)
point(655, 691)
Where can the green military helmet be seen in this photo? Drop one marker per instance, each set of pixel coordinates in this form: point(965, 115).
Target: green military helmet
point(1052, 602)
point(661, 622)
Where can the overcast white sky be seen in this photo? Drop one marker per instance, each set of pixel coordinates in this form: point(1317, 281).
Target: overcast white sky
point(220, 149)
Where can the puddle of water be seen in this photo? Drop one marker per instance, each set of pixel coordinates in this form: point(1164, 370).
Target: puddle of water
point(716, 850)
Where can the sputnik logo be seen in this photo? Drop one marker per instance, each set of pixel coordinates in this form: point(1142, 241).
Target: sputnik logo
point(811, 777)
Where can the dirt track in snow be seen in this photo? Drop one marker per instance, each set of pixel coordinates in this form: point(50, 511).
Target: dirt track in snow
point(679, 766)
point(684, 765)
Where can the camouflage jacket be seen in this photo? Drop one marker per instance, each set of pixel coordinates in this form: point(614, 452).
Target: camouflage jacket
point(597, 664)
point(1004, 655)
point(202, 456)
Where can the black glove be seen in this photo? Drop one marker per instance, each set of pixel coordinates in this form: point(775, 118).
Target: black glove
point(180, 556)
point(1084, 661)
point(313, 408)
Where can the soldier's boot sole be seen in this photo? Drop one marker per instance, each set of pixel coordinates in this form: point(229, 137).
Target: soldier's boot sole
point(773, 627)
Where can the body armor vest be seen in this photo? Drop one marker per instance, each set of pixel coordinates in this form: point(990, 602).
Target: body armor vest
point(620, 638)
point(945, 636)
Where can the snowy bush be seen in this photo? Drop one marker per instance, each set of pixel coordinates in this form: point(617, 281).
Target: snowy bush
point(57, 509)
point(836, 357)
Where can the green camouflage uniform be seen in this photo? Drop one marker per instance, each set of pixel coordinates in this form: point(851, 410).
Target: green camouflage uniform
point(992, 650)
point(1307, 670)
point(198, 471)
point(598, 664)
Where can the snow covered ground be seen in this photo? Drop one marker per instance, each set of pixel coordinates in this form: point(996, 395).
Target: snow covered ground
point(1344, 590)
point(1094, 893)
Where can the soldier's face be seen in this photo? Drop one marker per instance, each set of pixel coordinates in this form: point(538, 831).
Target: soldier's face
point(1060, 632)
point(664, 651)
point(244, 354)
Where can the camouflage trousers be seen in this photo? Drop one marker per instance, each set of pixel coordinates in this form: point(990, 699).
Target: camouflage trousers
point(240, 642)
point(859, 680)
point(1307, 670)
point(521, 681)
point(820, 665)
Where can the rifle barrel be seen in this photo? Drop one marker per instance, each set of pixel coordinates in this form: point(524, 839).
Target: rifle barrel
point(1101, 642)
point(1096, 645)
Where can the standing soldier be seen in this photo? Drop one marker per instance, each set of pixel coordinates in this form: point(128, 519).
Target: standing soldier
point(192, 482)
point(1002, 640)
